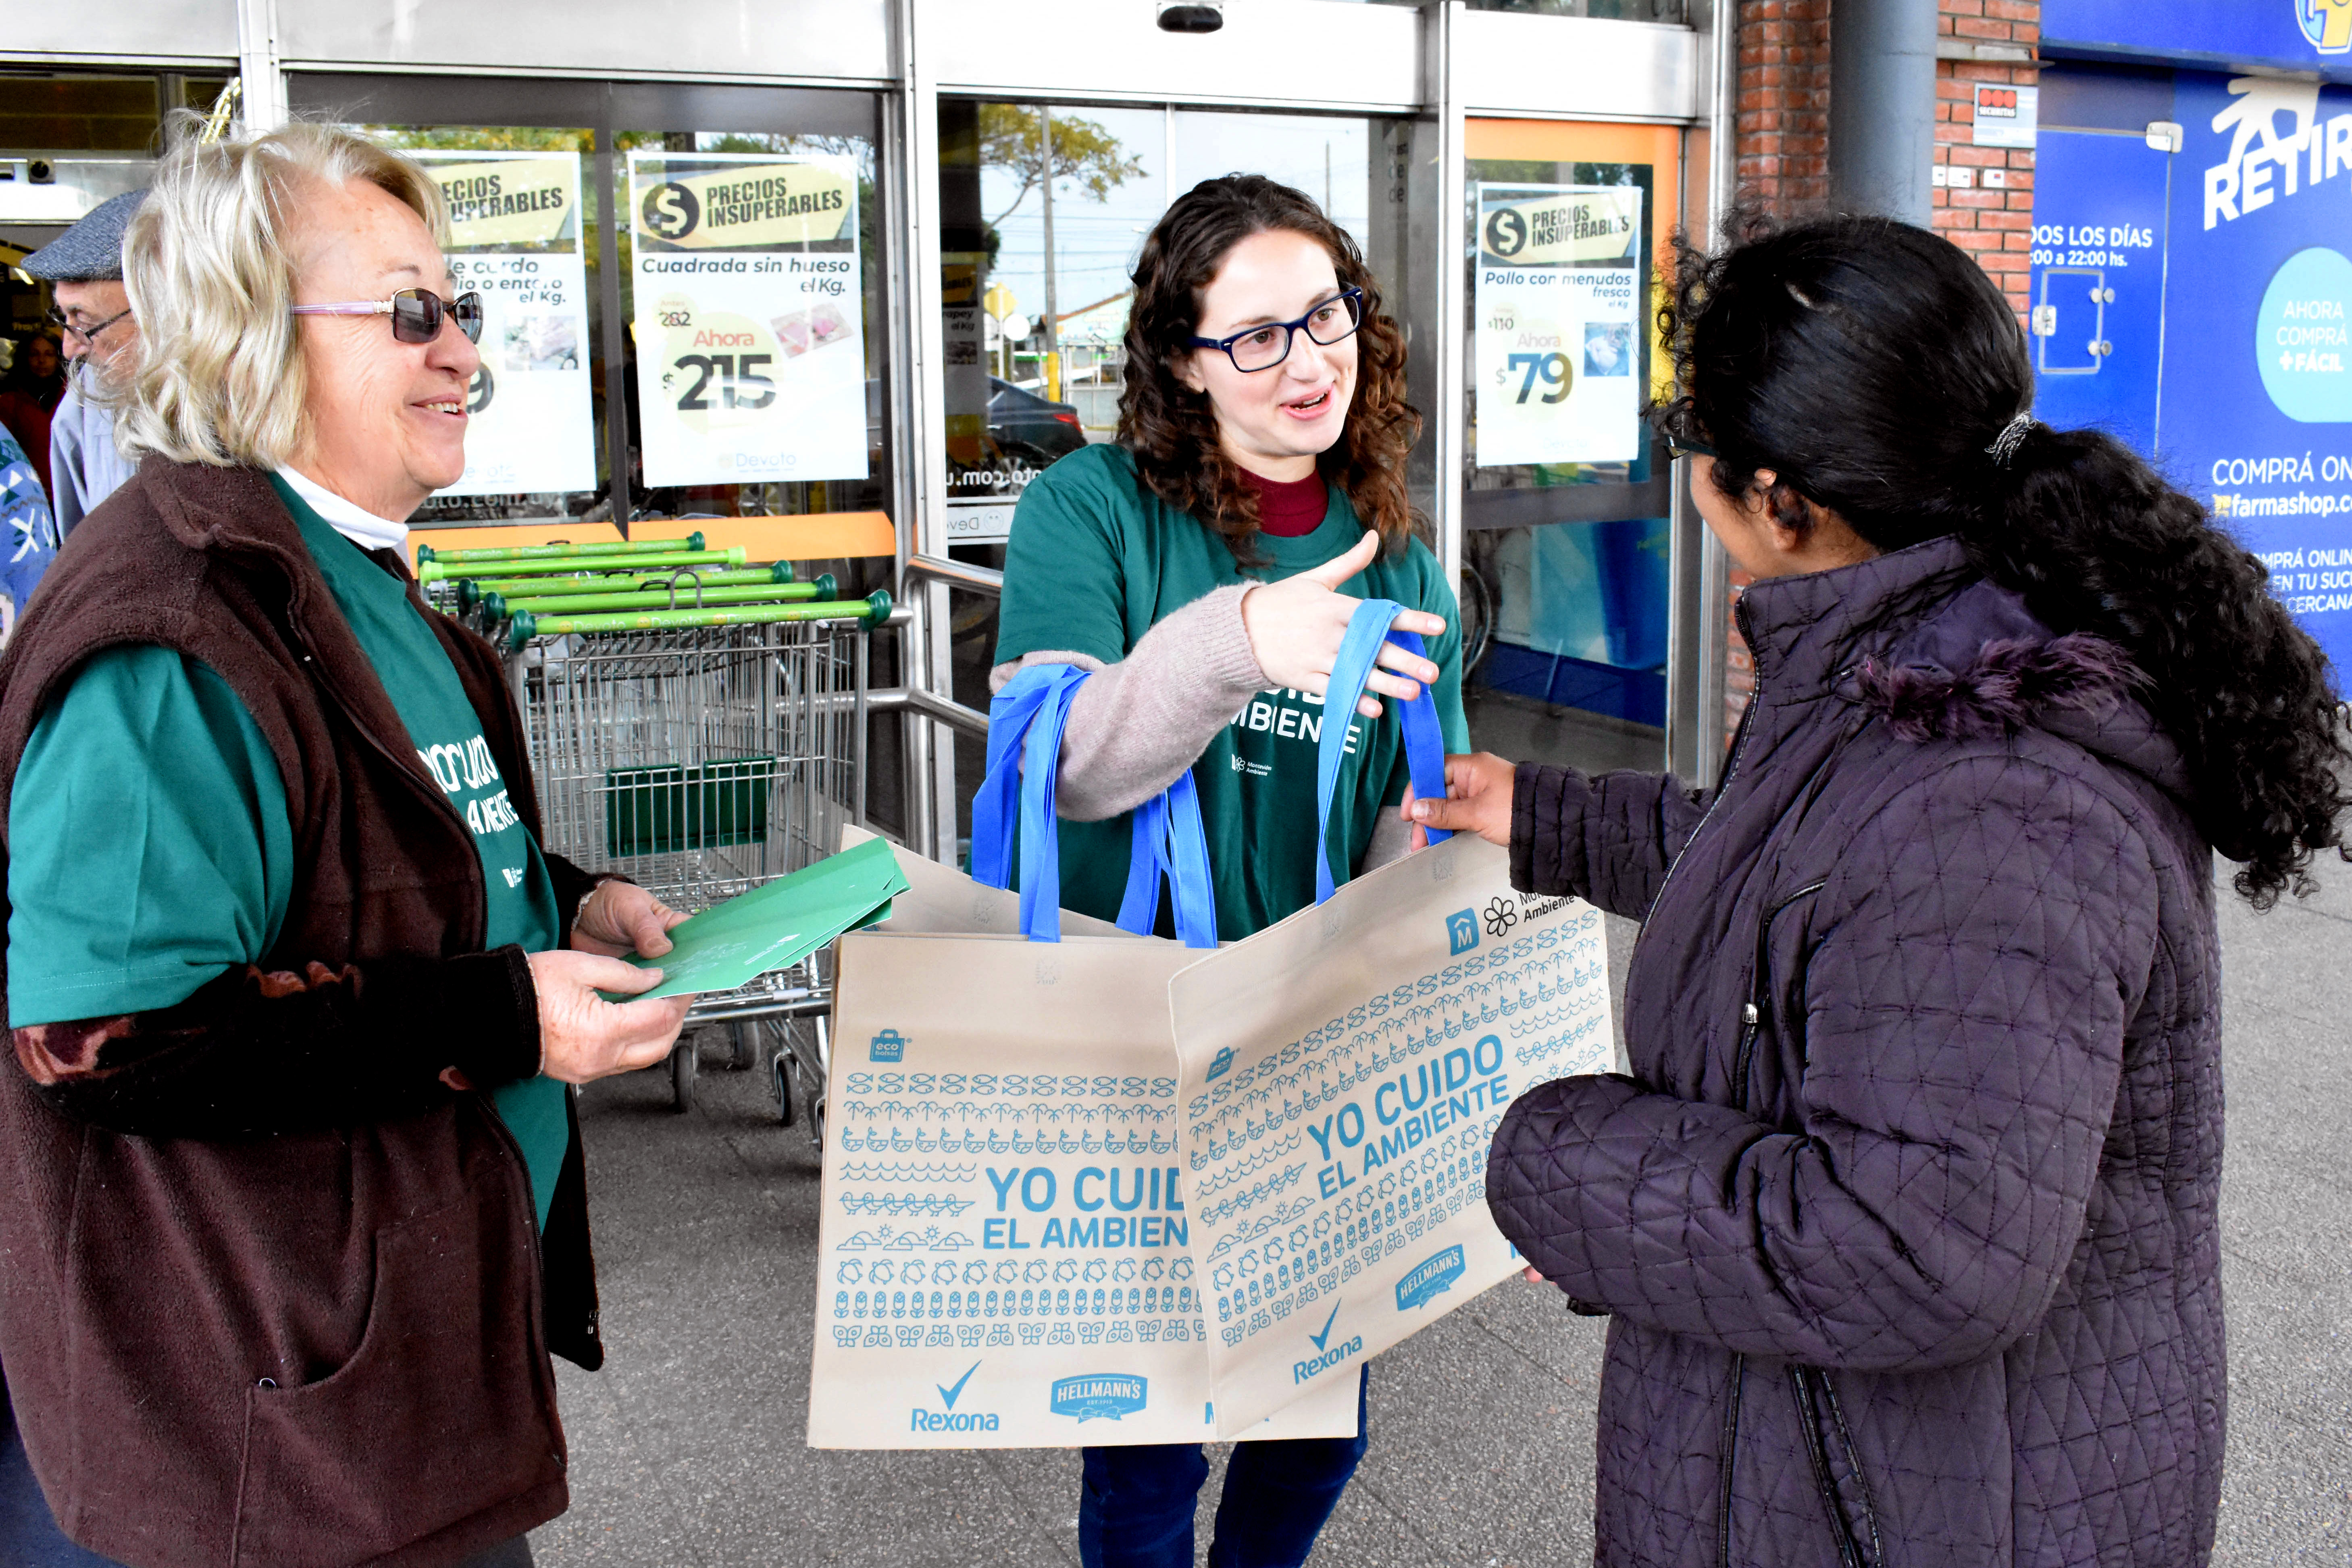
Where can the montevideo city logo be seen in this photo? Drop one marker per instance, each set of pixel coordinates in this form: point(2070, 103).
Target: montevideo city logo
point(2327, 23)
point(951, 1419)
point(1462, 931)
point(1099, 1396)
point(1327, 1354)
point(890, 1045)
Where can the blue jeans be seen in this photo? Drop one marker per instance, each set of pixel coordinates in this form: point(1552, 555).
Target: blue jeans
point(29, 1536)
point(1135, 1510)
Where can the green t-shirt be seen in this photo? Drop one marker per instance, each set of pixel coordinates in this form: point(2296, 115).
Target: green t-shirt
point(197, 850)
point(1095, 560)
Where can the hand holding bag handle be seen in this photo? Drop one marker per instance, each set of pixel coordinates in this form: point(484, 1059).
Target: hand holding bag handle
point(1425, 743)
point(1024, 748)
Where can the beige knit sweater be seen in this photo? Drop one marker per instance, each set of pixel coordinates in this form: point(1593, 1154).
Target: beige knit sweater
point(1141, 721)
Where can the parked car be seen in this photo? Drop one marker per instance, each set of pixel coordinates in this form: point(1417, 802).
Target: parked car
point(1035, 430)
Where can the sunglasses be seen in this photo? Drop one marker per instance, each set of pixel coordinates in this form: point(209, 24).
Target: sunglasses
point(416, 313)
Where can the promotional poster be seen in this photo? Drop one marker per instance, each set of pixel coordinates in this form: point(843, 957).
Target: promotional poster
point(1557, 351)
point(514, 238)
point(749, 305)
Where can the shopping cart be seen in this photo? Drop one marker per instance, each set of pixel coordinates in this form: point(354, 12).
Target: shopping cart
point(699, 750)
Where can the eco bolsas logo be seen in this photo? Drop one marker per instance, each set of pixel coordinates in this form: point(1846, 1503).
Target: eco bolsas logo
point(1327, 1355)
point(2327, 23)
point(1430, 1278)
point(1221, 1064)
point(951, 1419)
point(890, 1045)
point(1102, 1395)
point(1462, 931)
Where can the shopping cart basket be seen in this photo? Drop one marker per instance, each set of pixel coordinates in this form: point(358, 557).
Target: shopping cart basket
point(701, 751)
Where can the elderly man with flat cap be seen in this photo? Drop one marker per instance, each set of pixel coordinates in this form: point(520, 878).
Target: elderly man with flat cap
point(84, 266)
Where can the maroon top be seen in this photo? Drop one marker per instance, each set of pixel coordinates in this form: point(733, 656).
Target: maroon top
point(1289, 509)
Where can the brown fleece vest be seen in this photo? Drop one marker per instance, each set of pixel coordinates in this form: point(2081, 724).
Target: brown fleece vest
point(320, 1348)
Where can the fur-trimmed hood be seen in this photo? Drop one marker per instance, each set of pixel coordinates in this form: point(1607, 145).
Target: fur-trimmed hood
point(1983, 665)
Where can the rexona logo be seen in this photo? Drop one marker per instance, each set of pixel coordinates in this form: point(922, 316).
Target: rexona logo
point(2327, 23)
point(1104, 1396)
point(1221, 1064)
point(951, 1419)
point(890, 1045)
point(1327, 1355)
point(1462, 931)
point(1429, 1278)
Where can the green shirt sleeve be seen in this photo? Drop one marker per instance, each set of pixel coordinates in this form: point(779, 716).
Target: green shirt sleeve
point(1065, 564)
point(150, 844)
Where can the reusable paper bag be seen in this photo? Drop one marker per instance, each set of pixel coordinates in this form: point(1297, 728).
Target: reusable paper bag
point(1341, 1074)
point(1004, 1256)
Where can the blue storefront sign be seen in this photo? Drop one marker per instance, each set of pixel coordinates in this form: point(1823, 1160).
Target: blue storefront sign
point(2192, 268)
point(2307, 34)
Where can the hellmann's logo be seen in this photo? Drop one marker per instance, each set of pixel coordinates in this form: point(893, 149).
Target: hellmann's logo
point(1327, 1355)
point(1429, 1278)
point(1099, 1396)
point(951, 1419)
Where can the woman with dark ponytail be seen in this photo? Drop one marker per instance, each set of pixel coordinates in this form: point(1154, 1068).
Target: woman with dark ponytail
point(1905, 1216)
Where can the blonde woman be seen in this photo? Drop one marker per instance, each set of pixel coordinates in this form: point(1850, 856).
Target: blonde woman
point(295, 996)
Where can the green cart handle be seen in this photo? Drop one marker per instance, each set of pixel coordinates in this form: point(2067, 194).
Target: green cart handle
point(873, 609)
point(565, 552)
point(472, 591)
point(500, 607)
point(440, 571)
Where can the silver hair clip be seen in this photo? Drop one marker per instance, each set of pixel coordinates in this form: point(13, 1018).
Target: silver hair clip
point(2012, 436)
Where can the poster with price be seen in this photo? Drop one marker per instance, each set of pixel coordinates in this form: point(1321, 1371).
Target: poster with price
point(1558, 339)
point(514, 239)
point(749, 300)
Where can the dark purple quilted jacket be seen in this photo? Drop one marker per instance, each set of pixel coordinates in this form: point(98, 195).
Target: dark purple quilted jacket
point(1907, 1214)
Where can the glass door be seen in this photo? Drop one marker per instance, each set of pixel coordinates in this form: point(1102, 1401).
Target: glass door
point(1568, 539)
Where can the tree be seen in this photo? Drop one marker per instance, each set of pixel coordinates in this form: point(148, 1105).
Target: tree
point(1012, 137)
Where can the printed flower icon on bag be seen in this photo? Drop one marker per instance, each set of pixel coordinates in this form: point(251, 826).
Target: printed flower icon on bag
point(1500, 917)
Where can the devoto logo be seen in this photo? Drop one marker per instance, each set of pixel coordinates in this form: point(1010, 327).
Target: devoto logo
point(2327, 23)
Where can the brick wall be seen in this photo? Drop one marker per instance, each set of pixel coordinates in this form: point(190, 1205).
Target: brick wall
point(1986, 206)
point(1984, 197)
point(1784, 101)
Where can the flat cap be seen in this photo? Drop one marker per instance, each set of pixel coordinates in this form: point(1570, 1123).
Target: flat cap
point(91, 250)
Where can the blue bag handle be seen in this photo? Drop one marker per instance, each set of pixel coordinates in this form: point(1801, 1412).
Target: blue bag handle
point(1026, 720)
point(1425, 743)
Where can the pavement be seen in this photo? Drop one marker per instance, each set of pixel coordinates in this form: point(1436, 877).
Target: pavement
point(688, 1451)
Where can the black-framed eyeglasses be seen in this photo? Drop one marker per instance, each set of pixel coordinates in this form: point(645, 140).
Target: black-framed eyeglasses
point(1263, 347)
point(1678, 447)
point(416, 313)
point(59, 320)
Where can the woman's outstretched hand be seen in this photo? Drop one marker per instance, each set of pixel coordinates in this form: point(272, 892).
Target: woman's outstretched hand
point(1477, 799)
point(1295, 627)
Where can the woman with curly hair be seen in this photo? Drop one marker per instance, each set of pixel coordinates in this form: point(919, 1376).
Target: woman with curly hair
point(1203, 566)
point(1906, 1215)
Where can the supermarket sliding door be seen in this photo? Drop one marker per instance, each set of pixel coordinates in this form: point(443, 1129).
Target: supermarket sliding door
point(1566, 516)
point(1042, 209)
